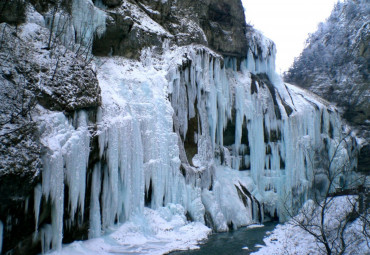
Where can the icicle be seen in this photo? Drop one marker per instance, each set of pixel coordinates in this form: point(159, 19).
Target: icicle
point(37, 204)
point(95, 217)
point(26, 205)
point(87, 21)
point(53, 188)
point(46, 235)
point(141, 151)
point(1, 235)
point(76, 160)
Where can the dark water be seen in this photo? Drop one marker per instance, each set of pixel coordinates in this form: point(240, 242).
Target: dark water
point(231, 243)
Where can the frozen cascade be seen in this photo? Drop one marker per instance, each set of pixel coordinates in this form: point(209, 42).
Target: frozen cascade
point(88, 21)
point(274, 124)
point(226, 140)
point(64, 162)
point(79, 27)
point(138, 150)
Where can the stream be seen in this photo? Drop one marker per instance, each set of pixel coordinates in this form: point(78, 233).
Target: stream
point(232, 242)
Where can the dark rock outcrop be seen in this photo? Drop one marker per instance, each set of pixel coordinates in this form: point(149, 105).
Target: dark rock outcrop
point(12, 11)
point(336, 66)
point(61, 80)
point(112, 3)
point(124, 37)
point(219, 25)
point(222, 22)
point(364, 159)
point(31, 75)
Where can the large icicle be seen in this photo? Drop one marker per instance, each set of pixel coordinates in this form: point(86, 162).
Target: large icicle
point(37, 204)
point(66, 156)
point(95, 217)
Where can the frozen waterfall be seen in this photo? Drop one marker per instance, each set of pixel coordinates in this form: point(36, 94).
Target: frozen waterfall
point(224, 139)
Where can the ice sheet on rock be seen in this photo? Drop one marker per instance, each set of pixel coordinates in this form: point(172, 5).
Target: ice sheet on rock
point(32, 16)
point(76, 29)
point(225, 204)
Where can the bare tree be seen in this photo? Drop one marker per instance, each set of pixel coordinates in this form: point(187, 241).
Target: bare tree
point(318, 218)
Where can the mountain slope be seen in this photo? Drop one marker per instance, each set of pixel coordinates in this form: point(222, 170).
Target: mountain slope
point(336, 64)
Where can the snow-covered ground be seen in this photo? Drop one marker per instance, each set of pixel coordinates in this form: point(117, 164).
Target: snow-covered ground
point(156, 232)
point(292, 239)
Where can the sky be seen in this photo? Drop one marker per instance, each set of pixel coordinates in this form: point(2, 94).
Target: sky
point(287, 23)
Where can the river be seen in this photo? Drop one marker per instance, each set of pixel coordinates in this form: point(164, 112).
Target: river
point(232, 242)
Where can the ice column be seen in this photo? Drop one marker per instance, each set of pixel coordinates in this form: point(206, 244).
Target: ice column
point(37, 204)
point(95, 217)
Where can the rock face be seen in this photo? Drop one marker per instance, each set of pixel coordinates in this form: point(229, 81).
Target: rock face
point(112, 3)
point(222, 22)
point(134, 25)
point(335, 65)
point(193, 114)
point(32, 78)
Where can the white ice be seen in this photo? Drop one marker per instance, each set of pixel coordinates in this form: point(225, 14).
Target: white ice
point(155, 232)
point(141, 126)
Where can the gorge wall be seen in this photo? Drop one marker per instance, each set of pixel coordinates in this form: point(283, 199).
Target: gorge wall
point(180, 105)
point(335, 65)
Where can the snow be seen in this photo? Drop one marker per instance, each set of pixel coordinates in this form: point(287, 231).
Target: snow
point(142, 20)
point(155, 232)
point(139, 150)
point(291, 239)
point(255, 226)
point(139, 197)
